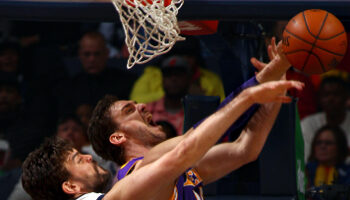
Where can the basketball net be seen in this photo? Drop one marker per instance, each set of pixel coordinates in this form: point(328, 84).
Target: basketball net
point(150, 28)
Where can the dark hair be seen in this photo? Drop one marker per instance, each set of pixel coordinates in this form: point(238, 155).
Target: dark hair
point(44, 171)
point(95, 35)
point(101, 126)
point(334, 79)
point(72, 117)
point(67, 118)
point(340, 140)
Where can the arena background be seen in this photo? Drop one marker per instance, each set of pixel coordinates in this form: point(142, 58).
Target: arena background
point(241, 32)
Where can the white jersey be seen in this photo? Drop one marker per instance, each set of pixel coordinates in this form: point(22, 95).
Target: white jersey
point(91, 196)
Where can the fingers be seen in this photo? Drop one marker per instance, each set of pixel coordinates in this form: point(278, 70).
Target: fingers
point(295, 84)
point(283, 99)
point(274, 91)
point(272, 48)
point(279, 48)
point(285, 85)
point(257, 64)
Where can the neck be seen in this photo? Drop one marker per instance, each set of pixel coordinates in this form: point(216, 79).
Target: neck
point(135, 150)
point(172, 104)
point(328, 163)
point(335, 119)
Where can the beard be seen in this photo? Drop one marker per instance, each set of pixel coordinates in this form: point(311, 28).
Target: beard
point(151, 137)
point(104, 181)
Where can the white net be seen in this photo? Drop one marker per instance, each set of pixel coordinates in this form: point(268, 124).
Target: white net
point(150, 28)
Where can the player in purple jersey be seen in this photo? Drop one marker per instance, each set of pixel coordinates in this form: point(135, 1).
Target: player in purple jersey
point(124, 130)
point(57, 171)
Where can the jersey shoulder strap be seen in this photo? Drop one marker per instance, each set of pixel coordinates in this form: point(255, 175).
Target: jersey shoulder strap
point(127, 168)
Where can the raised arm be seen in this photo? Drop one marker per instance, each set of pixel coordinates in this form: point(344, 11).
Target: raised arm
point(274, 70)
point(157, 179)
point(226, 157)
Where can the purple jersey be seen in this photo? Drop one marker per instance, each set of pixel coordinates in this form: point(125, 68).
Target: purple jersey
point(188, 186)
point(127, 168)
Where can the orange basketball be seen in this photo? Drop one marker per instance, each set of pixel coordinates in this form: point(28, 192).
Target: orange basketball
point(314, 41)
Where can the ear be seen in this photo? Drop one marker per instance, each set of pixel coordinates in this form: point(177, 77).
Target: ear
point(117, 138)
point(70, 188)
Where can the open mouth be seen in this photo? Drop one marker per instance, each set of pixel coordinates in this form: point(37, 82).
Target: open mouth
point(148, 119)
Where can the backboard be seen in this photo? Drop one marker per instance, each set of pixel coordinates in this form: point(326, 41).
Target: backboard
point(78, 10)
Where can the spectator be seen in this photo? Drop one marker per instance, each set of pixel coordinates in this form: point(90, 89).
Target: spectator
point(71, 129)
point(176, 82)
point(17, 121)
point(333, 94)
point(11, 61)
point(96, 79)
point(327, 160)
point(84, 112)
point(9, 57)
point(10, 106)
point(148, 87)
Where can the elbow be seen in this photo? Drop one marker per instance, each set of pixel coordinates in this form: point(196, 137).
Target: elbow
point(253, 157)
point(250, 156)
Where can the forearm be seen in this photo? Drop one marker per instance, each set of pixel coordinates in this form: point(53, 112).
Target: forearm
point(208, 132)
point(226, 157)
point(244, 118)
point(258, 129)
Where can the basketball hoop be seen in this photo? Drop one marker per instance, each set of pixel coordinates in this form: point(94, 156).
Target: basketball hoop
point(150, 27)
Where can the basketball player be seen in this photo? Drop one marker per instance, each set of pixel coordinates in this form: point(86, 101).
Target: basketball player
point(58, 171)
point(124, 132)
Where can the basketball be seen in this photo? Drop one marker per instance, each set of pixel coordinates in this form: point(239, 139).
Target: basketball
point(314, 41)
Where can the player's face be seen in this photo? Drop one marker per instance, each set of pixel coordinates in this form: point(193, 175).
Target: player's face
point(86, 173)
point(136, 122)
point(325, 148)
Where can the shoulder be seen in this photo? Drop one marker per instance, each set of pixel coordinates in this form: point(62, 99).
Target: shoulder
point(128, 167)
point(91, 196)
point(315, 117)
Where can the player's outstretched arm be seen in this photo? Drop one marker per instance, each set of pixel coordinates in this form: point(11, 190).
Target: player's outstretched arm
point(224, 158)
point(157, 178)
point(272, 71)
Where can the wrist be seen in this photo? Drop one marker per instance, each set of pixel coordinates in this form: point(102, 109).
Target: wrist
point(248, 96)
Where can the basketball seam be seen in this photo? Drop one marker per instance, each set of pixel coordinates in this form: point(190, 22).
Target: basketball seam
point(300, 38)
point(307, 27)
point(319, 60)
point(291, 52)
point(317, 57)
point(336, 35)
point(313, 45)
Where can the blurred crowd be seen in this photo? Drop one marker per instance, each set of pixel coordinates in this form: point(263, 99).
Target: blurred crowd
point(53, 74)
